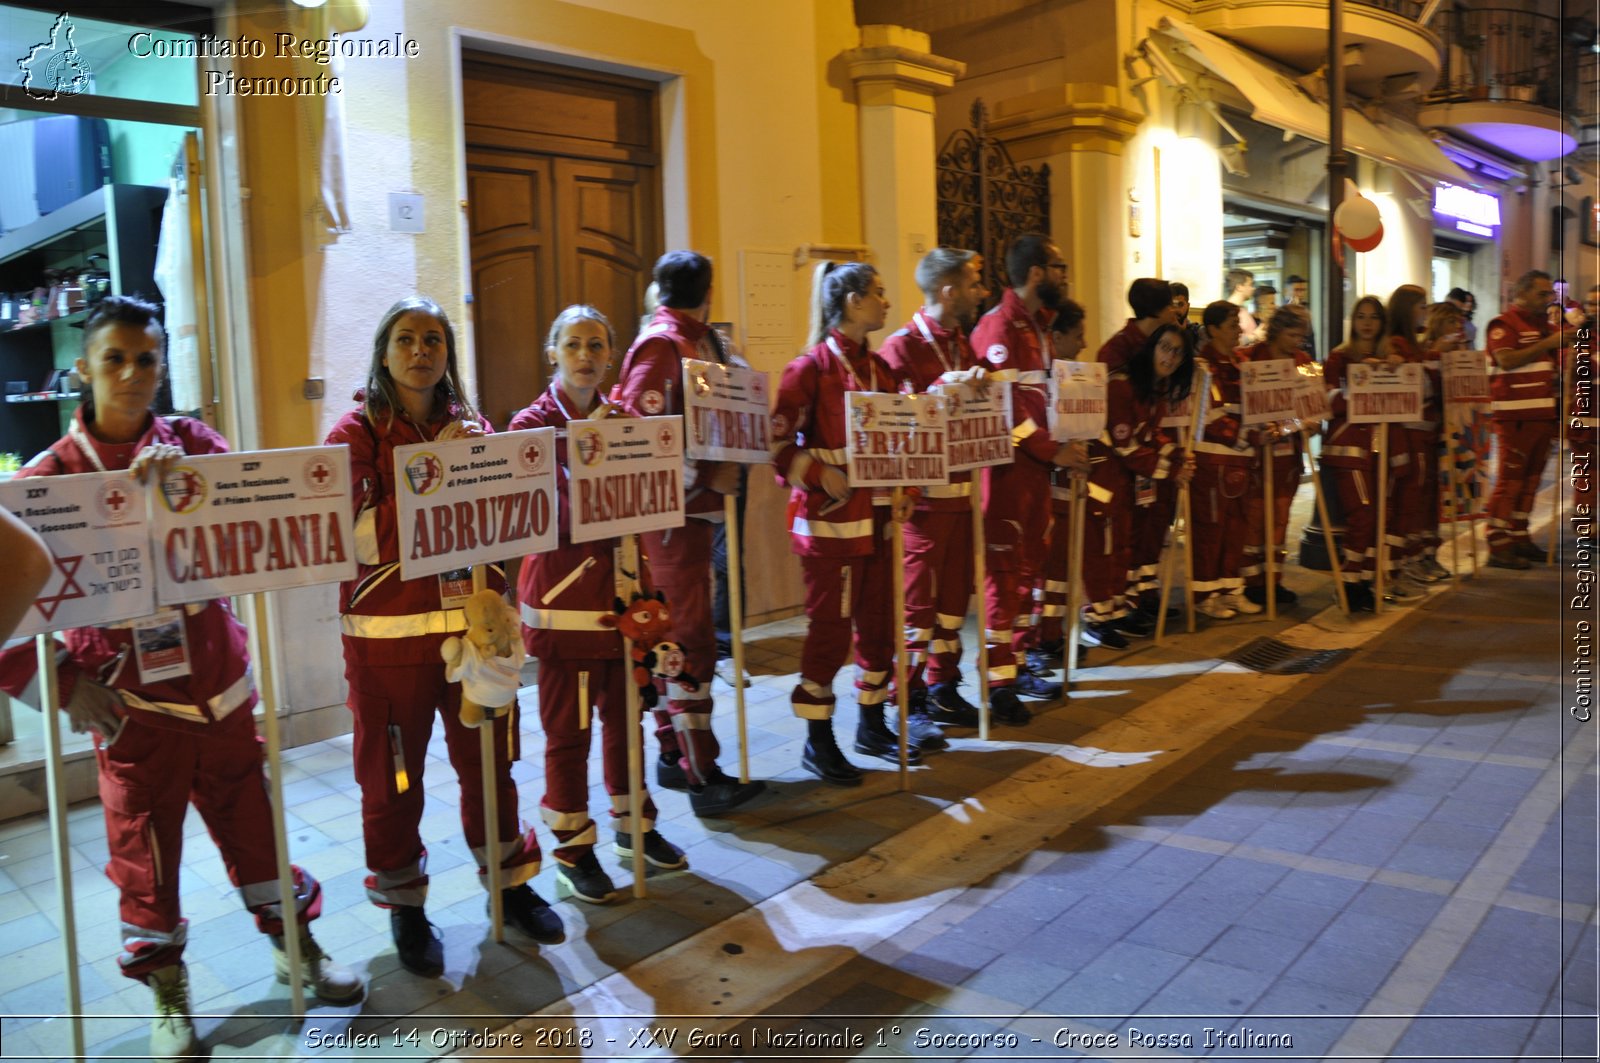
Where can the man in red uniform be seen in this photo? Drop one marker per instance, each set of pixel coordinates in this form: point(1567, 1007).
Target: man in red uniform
point(651, 384)
point(1014, 339)
point(1524, 390)
point(1150, 299)
point(938, 538)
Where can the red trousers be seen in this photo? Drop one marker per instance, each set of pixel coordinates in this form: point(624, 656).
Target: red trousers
point(1056, 586)
point(394, 707)
point(1016, 515)
point(1219, 513)
point(1524, 448)
point(1149, 536)
point(1107, 538)
point(1285, 481)
point(1359, 500)
point(567, 728)
point(148, 777)
point(845, 596)
point(1413, 505)
point(680, 567)
point(939, 570)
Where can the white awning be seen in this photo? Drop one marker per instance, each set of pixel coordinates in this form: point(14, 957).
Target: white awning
point(1276, 99)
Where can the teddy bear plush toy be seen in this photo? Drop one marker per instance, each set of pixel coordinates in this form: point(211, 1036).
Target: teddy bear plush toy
point(487, 661)
point(645, 621)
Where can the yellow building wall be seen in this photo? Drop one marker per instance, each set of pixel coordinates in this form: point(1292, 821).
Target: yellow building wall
point(760, 153)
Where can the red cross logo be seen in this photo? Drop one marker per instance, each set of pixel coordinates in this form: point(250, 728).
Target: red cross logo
point(49, 603)
point(320, 474)
point(533, 456)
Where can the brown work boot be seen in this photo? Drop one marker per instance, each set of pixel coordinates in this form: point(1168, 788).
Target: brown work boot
point(1508, 558)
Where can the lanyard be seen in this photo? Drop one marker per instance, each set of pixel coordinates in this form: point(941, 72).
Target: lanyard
point(555, 393)
point(834, 347)
point(927, 334)
point(81, 438)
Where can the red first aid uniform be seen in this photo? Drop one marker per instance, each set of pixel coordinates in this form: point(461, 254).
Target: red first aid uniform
point(844, 554)
point(184, 738)
point(1223, 460)
point(651, 384)
point(1350, 450)
point(583, 673)
point(1413, 530)
point(1287, 465)
point(1016, 514)
point(1522, 406)
point(1130, 447)
point(392, 630)
point(938, 537)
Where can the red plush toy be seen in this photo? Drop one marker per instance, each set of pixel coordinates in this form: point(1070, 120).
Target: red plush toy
point(646, 621)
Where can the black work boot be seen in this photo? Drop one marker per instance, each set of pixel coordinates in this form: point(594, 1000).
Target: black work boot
point(823, 758)
point(722, 793)
point(532, 914)
point(416, 941)
point(875, 739)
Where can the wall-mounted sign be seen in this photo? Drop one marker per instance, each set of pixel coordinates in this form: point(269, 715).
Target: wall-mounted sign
point(1472, 211)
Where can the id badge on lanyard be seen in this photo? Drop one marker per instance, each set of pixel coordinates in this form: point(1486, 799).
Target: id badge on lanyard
point(455, 587)
point(161, 646)
point(1145, 492)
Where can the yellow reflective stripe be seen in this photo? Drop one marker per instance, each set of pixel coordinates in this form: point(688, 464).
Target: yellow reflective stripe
point(1098, 493)
point(561, 619)
point(237, 694)
point(960, 490)
point(836, 456)
point(405, 626)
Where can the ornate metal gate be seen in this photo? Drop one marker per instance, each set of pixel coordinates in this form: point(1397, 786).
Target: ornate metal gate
point(985, 199)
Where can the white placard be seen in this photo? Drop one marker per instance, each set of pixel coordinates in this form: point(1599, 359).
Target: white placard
point(1077, 400)
point(626, 476)
point(1378, 393)
point(1266, 391)
point(977, 424)
point(475, 500)
point(1310, 395)
point(96, 526)
point(1466, 376)
point(252, 521)
point(725, 408)
point(895, 440)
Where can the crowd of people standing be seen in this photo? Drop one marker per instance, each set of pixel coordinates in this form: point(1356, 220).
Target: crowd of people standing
point(163, 742)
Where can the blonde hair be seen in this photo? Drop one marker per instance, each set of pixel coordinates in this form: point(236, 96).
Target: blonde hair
point(578, 312)
point(1443, 319)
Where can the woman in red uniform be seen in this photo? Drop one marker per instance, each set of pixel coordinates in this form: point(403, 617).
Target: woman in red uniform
point(1285, 339)
point(564, 593)
point(842, 541)
point(1349, 450)
point(1411, 449)
point(164, 742)
point(1218, 502)
point(393, 629)
point(1127, 460)
point(1445, 331)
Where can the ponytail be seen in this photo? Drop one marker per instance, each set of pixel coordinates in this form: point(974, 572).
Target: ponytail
point(831, 284)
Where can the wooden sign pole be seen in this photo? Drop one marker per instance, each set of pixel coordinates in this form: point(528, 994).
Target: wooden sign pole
point(55, 768)
point(1334, 562)
point(730, 524)
point(979, 574)
point(488, 758)
point(1270, 553)
point(1069, 652)
point(1381, 439)
point(902, 695)
point(627, 567)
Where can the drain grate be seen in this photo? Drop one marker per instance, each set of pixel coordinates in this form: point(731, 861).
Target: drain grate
point(1272, 657)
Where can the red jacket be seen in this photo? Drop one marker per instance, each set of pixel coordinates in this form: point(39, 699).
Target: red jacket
point(809, 430)
point(1529, 392)
point(919, 364)
point(219, 681)
point(1221, 441)
point(1432, 386)
point(386, 619)
point(1016, 345)
point(564, 592)
point(1344, 445)
point(651, 384)
point(1116, 351)
point(1131, 444)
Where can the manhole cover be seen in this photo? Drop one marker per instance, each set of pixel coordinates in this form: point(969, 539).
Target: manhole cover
point(1272, 657)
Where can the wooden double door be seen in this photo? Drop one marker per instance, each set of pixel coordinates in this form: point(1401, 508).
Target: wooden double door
point(563, 207)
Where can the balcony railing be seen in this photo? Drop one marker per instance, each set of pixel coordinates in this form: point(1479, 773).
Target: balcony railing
point(1411, 9)
point(1502, 54)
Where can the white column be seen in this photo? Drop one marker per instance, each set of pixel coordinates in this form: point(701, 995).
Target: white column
point(896, 80)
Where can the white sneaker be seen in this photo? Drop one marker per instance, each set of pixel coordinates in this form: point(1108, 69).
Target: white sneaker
point(1216, 607)
point(172, 1035)
point(1240, 604)
point(726, 672)
point(333, 983)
